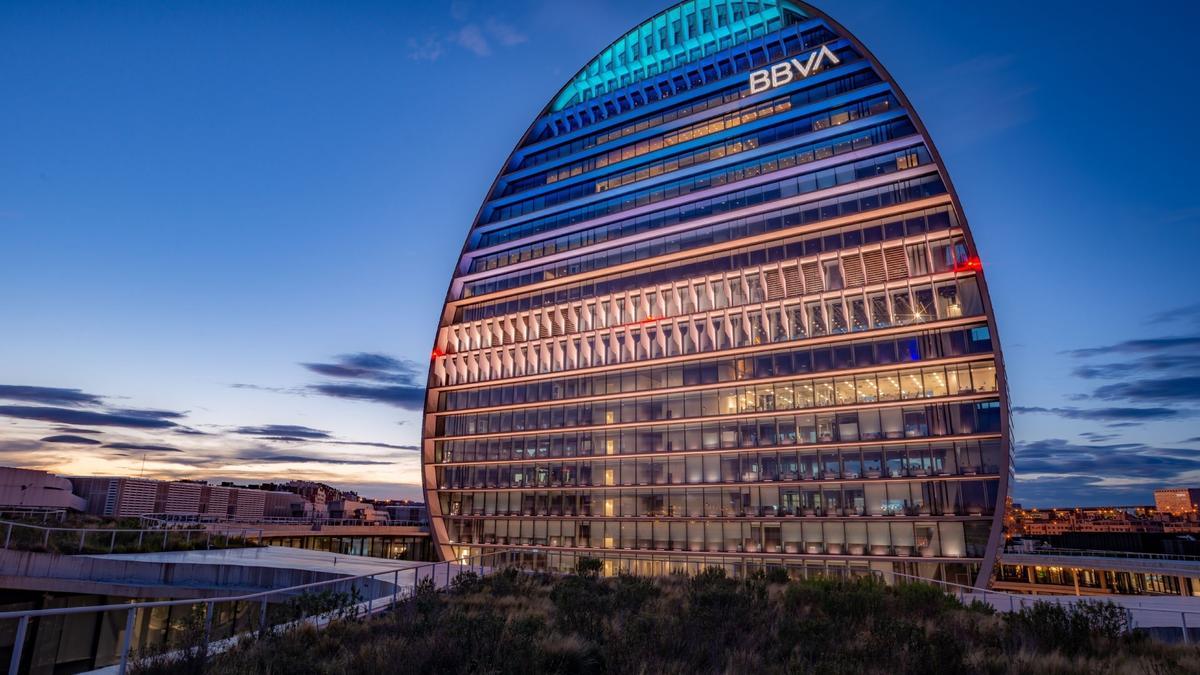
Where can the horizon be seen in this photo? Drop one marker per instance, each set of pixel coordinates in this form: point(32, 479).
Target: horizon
point(220, 262)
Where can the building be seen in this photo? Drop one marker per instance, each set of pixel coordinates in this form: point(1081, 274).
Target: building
point(408, 513)
point(124, 497)
point(1177, 501)
point(31, 489)
point(722, 307)
point(1040, 523)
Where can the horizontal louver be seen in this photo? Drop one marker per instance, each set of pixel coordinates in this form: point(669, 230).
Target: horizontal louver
point(812, 277)
point(791, 279)
point(852, 268)
point(876, 273)
point(774, 285)
point(897, 264)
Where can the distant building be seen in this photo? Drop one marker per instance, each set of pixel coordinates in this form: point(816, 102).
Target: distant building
point(408, 513)
point(1177, 501)
point(124, 497)
point(28, 488)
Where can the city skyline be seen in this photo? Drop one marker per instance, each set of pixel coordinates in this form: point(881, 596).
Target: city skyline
point(237, 281)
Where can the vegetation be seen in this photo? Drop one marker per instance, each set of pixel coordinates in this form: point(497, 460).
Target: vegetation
point(515, 622)
point(108, 535)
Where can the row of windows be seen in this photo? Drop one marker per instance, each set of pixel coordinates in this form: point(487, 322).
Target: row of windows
point(751, 286)
point(652, 144)
point(817, 121)
point(730, 94)
point(910, 460)
point(638, 198)
point(946, 343)
point(933, 420)
point(913, 224)
point(779, 161)
point(854, 203)
point(735, 59)
point(928, 539)
point(894, 498)
point(886, 386)
point(663, 563)
point(718, 331)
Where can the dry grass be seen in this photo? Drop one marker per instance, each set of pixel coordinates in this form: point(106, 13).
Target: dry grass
point(519, 623)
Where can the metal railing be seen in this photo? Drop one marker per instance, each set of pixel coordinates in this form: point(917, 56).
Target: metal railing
point(66, 540)
point(35, 513)
point(161, 520)
point(1014, 602)
point(1078, 552)
point(368, 593)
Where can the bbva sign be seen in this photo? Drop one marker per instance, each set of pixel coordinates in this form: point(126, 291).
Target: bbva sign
point(792, 69)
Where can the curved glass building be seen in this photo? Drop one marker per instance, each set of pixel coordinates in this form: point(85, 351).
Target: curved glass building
point(722, 307)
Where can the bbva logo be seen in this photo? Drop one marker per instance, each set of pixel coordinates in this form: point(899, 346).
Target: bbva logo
point(792, 69)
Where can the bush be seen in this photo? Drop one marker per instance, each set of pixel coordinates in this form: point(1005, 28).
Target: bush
point(466, 582)
point(1080, 628)
point(514, 622)
point(589, 567)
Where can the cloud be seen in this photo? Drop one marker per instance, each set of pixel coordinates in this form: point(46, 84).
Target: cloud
point(374, 444)
point(479, 37)
point(1153, 364)
point(71, 439)
point(189, 431)
point(289, 432)
point(1174, 389)
point(470, 37)
point(151, 414)
point(299, 434)
point(1147, 345)
point(132, 419)
point(504, 33)
point(367, 376)
point(1116, 414)
point(141, 447)
point(429, 48)
point(1187, 312)
point(18, 446)
point(77, 430)
point(368, 366)
point(47, 395)
point(268, 456)
point(1056, 472)
point(401, 396)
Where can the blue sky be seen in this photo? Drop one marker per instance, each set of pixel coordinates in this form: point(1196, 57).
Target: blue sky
point(226, 229)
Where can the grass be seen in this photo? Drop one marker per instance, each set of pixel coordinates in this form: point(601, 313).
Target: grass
point(515, 622)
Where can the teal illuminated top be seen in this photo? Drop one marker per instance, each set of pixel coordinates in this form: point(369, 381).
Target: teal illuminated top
point(686, 32)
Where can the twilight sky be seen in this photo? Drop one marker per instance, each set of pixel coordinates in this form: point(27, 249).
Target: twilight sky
point(226, 228)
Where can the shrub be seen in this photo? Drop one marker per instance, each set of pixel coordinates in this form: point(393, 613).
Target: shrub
point(466, 582)
point(589, 567)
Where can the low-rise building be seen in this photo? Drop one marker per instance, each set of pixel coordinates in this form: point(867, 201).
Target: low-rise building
point(1177, 501)
point(33, 489)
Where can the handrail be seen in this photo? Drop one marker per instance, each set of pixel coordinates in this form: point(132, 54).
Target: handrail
point(171, 520)
point(60, 611)
point(84, 532)
point(24, 616)
point(44, 512)
point(1080, 552)
point(1014, 599)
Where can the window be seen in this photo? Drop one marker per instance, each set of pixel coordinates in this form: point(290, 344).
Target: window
point(833, 275)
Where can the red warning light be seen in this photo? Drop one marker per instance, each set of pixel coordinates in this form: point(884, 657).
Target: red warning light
point(437, 353)
point(971, 264)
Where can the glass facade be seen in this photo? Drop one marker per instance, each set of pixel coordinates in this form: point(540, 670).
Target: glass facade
point(699, 322)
